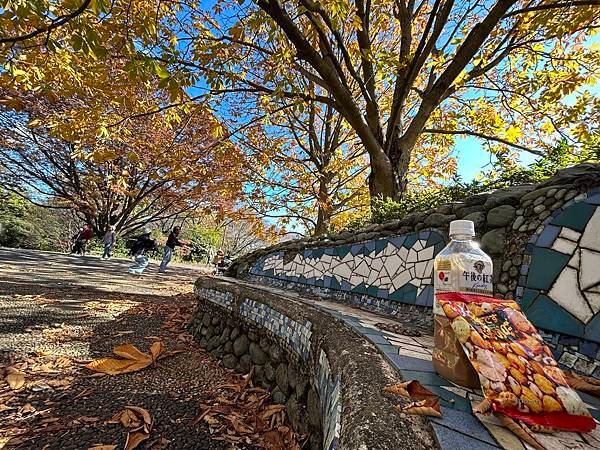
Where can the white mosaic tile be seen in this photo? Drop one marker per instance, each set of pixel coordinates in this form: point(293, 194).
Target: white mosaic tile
point(566, 293)
point(567, 233)
point(564, 246)
point(589, 269)
point(590, 237)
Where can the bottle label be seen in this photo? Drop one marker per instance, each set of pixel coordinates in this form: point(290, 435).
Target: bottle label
point(471, 275)
point(476, 277)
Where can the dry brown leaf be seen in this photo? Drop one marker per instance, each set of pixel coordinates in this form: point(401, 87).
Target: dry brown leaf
point(156, 349)
point(135, 438)
point(15, 378)
point(427, 404)
point(270, 410)
point(112, 366)
point(519, 431)
point(426, 407)
point(134, 360)
point(129, 351)
point(143, 414)
point(583, 384)
point(28, 408)
point(398, 389)
point(103, 447)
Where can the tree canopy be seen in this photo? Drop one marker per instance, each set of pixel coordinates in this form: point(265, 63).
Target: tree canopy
point(403, 79)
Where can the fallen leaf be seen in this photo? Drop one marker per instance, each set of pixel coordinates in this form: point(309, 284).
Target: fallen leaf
point(156, 349)
point(15, 378)
point(422, 408)
point(135, 438)
point(427, 403)
point(103, 447)
point(398, 389)
point(28, 408)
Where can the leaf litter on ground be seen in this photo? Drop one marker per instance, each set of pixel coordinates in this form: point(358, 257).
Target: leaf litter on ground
point(138, 422)
point(241, 414)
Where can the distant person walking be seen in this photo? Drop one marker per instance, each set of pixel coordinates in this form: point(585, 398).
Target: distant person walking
point(81, 239)
point(142, 243)
point(109, 240)
point(172, 242)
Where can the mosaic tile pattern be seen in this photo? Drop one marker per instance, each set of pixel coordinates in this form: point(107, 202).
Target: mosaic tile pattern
point(224, 299)
point(397, 269)
point(560, 283)
point(295, 334)
point(328, 388)
point(420, 315)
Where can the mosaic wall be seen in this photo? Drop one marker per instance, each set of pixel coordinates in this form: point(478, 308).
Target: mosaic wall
point(224, 299)
point(295, 334)
point(560, 282)
point(562, 288)
point(328, 388)
point(397, 268)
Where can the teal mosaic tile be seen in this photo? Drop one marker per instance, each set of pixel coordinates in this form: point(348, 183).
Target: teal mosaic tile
point(547, 315)
point(342, 251)
point(425, 378)
point(410, 240)
point(575, 216)
point(380, 245)
point(372, 290)
point(464, 423)
point(545, 267)
point(335, 284)
point(592, 329)
point(434, 238)
point(529, 295)
point(361, 288)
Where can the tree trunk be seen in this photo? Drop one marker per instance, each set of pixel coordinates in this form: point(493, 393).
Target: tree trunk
point(323, 219)
point(383, 180)
point(324, 210)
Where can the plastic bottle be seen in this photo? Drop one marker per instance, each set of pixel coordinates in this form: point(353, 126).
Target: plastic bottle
point(460, 267)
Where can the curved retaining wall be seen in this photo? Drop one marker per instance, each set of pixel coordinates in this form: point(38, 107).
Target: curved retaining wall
point(544, 240)
point(329, 378)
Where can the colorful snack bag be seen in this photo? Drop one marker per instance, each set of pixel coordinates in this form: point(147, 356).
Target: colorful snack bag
point(517, 370)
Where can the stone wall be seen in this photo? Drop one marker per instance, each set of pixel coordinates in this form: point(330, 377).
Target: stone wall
point(544, 240)
point(314, 365)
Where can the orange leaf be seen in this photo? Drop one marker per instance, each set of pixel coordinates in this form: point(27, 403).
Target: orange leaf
point(15, 378)
point(156, 349)
point(112, 366)
point(128, 351)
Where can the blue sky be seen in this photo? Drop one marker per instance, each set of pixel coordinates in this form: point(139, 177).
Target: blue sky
point(472, 157)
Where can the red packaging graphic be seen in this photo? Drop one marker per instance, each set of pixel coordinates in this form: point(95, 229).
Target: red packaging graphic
point(517, 370)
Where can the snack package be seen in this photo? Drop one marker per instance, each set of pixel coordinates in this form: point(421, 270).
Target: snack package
point(517, 370)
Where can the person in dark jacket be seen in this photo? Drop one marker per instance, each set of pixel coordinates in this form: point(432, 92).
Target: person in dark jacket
point(172, 242)
point(142, 243)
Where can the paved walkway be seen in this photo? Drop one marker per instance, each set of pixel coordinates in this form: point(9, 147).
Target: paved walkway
point(60, 311)
point(458, 428)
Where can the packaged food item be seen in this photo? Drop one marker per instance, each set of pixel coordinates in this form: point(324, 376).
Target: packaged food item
point(516, 369)
point(460, 267)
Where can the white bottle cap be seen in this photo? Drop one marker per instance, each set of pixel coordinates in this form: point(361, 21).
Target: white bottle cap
point(462, 227)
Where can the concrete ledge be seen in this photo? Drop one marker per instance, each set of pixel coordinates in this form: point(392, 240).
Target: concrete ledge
point(330, 377)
